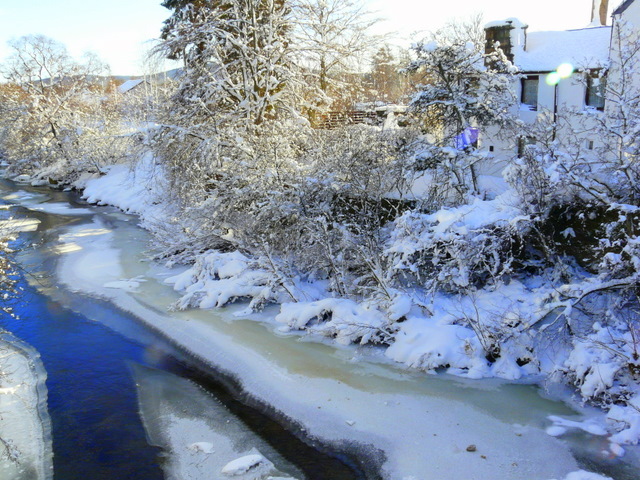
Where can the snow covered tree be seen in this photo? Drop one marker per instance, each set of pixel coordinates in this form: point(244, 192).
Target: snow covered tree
point(333, 41)
point(251, 173)
point(238, 75)
point(185, 12)
point(463, 91)
point(468, 29)
point(237, 58)
point(55, 112)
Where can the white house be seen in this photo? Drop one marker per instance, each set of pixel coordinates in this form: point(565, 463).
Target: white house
point(561, 76)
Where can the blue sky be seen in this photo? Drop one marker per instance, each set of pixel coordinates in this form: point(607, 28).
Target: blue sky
point(117, 29)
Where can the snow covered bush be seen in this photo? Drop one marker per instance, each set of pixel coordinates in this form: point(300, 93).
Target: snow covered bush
point(468, 257)
point(340, 318)
point(309, 211)
point(217, 279)
point(457, 249)
point(57, 120)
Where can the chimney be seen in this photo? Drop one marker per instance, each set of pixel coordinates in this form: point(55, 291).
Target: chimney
point(511, 34)
point(599, 12)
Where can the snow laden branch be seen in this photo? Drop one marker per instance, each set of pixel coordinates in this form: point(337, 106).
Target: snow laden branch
point(57, 118)
point(463, 90)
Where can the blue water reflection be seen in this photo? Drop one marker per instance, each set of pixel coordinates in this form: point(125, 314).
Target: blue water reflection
point(97, 433)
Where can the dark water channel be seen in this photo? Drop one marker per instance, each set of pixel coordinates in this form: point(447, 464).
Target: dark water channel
point(92, 398)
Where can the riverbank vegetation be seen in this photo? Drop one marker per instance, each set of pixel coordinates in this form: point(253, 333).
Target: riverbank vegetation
point(368, 233)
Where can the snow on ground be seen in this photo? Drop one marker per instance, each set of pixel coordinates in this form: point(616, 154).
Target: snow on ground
point(132, 189)
point(25, 428)
point(419, 430)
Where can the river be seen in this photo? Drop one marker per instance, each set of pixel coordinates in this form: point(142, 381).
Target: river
point(136, 391)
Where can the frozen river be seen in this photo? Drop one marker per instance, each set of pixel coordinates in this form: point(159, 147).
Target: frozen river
point(213, 392)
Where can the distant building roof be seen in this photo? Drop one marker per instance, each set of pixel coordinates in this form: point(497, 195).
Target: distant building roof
point(129, 85)
point(586, 47)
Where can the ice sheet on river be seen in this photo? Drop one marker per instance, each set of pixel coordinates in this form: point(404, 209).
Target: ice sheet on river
point(25, 428)
point(423, 424)
point(201, 437)
point(59, 209)
point(38, 202)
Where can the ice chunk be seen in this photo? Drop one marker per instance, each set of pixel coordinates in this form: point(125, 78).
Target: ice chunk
point(59, 209)
point(584, 475)
point(25, 428)
point(204, 447)
point(242, 465)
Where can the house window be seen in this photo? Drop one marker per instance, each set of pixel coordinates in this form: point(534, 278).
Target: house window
point(530, 92)
point(523, 143)
point(596, 87)
point(590, 145)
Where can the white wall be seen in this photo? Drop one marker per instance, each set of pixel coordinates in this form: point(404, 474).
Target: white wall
point(572, 116)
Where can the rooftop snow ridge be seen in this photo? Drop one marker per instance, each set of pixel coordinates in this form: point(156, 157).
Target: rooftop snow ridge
point(514, 22)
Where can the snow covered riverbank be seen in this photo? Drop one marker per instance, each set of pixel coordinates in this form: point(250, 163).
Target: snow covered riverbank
point(513, 329)
point(408, 424)
point(418, 433)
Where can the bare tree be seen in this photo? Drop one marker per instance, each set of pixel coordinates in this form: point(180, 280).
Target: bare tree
point(333, 39)
point(468, 29)
point(54, 108)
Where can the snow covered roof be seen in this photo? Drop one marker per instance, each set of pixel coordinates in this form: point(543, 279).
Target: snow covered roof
point(129, 85)
point(512, 22)
point(622, 7)
point(586, 47)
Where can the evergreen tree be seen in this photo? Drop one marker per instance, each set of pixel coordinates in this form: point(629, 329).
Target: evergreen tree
point(236, 56)
point(239, 88)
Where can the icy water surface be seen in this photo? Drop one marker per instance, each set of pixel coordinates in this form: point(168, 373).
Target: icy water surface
point(97, 433)
point(90, 350)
